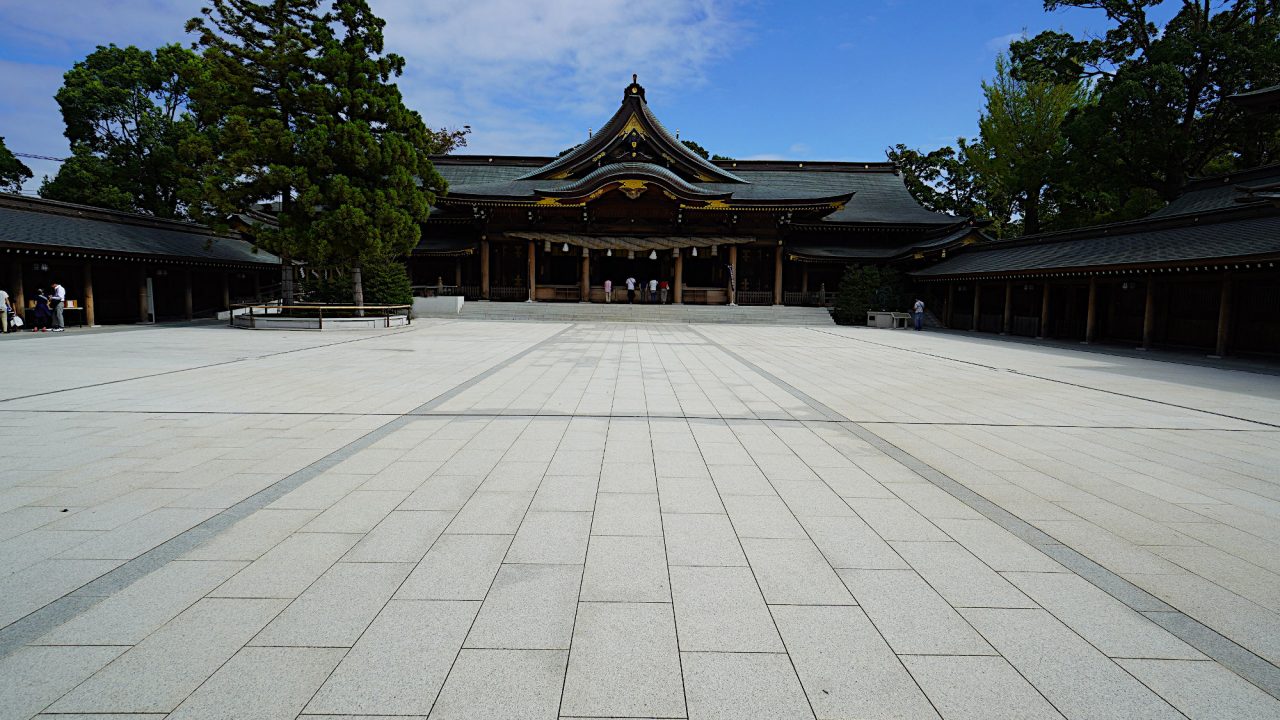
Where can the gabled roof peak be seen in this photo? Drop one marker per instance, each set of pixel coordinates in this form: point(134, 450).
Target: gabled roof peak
point(633, 134)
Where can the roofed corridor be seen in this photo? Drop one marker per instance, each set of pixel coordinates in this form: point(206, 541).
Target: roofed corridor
point(552, 520)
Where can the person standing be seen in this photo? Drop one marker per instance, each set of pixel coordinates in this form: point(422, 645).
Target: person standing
point(662, 292)
point(4, 311)
point(918, 311)
point(608, 291)
point(41, 322)
point(631, 290)
point(57, 299)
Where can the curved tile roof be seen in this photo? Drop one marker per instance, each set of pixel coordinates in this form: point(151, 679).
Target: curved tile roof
point(631, 170)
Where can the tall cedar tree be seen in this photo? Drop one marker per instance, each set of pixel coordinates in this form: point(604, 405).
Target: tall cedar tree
point(12, 171)
point(260, 96)
point(1025, 148)
point(125, 111)
point(1161, 114)
point(371, 183)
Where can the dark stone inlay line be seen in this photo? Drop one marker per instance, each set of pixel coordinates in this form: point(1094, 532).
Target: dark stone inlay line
point(1240, 660)
point(37, 623)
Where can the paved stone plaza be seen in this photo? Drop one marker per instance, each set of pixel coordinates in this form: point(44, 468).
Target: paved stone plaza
point(504, 520)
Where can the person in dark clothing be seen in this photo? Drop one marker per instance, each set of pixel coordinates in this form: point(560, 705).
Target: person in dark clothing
point(40, 322)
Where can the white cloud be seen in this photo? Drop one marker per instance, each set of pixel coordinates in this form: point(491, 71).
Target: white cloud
point(1001, 43)
point(529, 77)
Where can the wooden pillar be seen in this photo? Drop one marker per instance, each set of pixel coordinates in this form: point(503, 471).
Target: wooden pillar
point(533, 269)
point(804, 279)
point(484, 269)
point(777, 275)
point(951, 301)
point(585, 285)
point(188, 303)
point(87, 292)
point(977, 305)
point(679, 297)
point(457, 272)
point(1091, 320)
point(257, 287)
point(143, 315)
point(1224, 317)
point(18, 297)
point(1008, 308)
point(1149, 314)
point(1044, 311)
point(226, 291)
point(733, 274)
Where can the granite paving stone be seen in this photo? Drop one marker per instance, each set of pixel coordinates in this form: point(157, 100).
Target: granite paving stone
point(978, 688)
point(624, 663)
point(457, 567)
point(743, 686)
point(721, 609)
point(503, 685)
point(529, 607)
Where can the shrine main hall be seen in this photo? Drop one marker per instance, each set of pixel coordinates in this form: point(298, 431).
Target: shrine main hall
point(634, 202)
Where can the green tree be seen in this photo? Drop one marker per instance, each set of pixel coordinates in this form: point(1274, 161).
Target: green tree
point(126, 115)
point(259, 96)
point(703, 153)
point(12, 171)
point(371, 183)
point(864, 288)
point(1161, 114)
point(948, 180)
point(1025, 147)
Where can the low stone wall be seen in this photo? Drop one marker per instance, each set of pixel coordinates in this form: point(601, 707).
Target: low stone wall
point(275, 322)
point(437, 306)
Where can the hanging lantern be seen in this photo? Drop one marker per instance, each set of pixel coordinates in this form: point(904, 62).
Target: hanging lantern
point(653, 254)
point(695, 252)
point(546, 247)
point(675, 252)
point(631, 254)
point(610, 252)
point(565, 248)
point(715, 250)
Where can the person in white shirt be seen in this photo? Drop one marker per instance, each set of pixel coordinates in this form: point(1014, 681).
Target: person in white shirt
point(653, 291)
point(57, 299)
point(631, 290)
point(608, 291)
point(4, 311)
point(918, 311)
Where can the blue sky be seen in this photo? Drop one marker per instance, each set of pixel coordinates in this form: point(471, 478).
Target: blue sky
point(806, 79)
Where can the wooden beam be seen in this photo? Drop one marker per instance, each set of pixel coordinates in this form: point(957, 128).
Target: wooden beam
point(1091, 320)
point(1149, 315)
point(777, 275)
point(977, 305)
point(1007, 325)
point(679, 299)
point(1224, 317)
point(87, 292)
point(484, 269)
point(1044, 311)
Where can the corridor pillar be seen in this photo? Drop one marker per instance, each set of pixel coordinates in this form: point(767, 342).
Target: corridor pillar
point(143, 315)
point(89, 315)
point(188, 303)
point(679, 297)
point(1007, 325)
point(19, 299)
point(777, 275)
point(733, 274)
point(1044, 311)
point(1224, 317)
point(1091, 320)
point(484, 269)
point(977, 305)
point(585, 287)
point(533, 268)
point(1149, 315)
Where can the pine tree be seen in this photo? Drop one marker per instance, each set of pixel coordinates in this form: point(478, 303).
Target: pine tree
point(260, 97)
point(12, 170)
point(371, 179)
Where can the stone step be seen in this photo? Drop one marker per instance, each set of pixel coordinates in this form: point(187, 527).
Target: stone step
point(582, 312)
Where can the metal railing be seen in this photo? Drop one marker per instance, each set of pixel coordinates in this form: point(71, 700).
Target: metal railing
point(317, 312)
point(470, 292)
point(808, 299)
